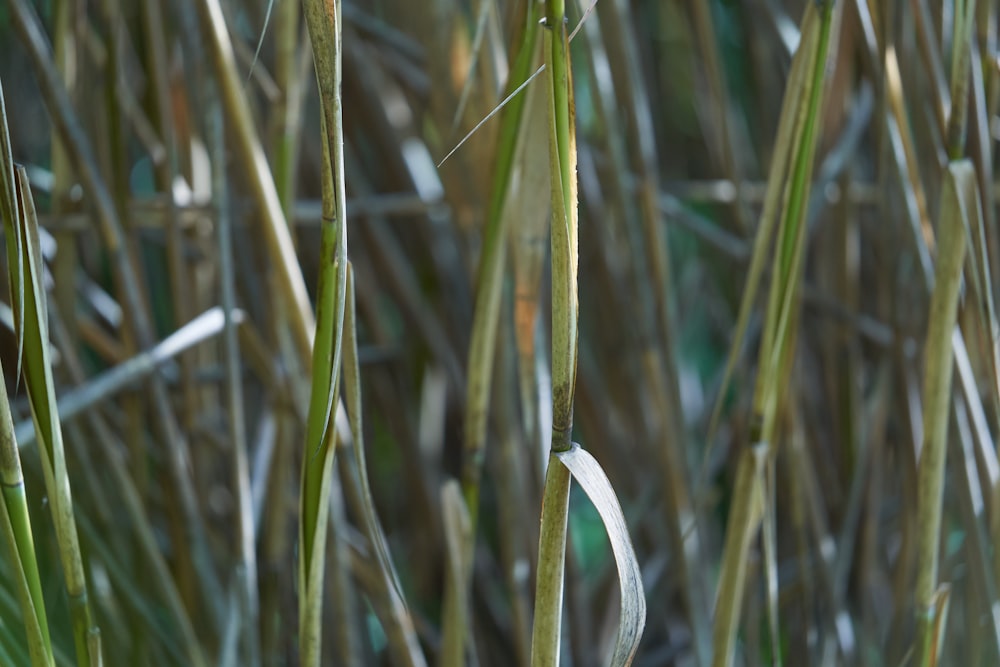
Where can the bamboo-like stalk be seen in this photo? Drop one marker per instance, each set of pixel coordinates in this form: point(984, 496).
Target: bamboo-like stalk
point(832, 523)
point(777, 342)
point(547, 628)
point(455, 606)
point(787, 128)
point(16, 526)
point(743, 525)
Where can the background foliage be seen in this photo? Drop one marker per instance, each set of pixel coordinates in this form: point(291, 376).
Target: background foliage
point(768, 445)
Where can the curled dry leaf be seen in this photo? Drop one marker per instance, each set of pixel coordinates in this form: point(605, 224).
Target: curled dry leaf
point(632, 618)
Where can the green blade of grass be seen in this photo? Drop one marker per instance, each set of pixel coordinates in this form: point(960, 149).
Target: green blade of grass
point(325, 25)
point(789, 252)
point(489, 282)
point(12, 232)
point(14, 519)
point(486, 316)
point(804, 103)
point(319, 451)
point(41, 395)
point(398, 625)
point(16, 527)
point(939, 365)
point(787, 128)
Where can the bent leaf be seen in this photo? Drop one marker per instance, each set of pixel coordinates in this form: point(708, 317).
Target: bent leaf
point(632, 617)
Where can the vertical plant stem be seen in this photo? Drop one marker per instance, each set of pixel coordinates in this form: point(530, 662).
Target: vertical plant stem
point(486, 317)
point(938, 362)
point(547, 629)
point(778, 341)
point(555, 503)
point(16, 526)
point(324, 22)
point(490, 279)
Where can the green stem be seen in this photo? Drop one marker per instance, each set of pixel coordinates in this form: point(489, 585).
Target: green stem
point(551, 566)
point(555, 504)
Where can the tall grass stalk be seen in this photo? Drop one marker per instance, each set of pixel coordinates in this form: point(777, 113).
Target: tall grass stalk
point(325, 26)
point(489, 283)
point(803, 102)
point(547, 630)
point(16, 527)
point(486, 317)
point(939, 364)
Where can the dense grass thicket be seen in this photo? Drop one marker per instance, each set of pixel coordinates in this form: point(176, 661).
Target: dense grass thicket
point(309, 306)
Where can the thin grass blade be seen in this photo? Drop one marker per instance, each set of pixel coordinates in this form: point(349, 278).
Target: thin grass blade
point(399, 627)
point(41, 394)
point(14, 518)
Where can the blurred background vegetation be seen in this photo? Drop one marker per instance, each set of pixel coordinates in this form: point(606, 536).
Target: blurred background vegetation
point(184, 426)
